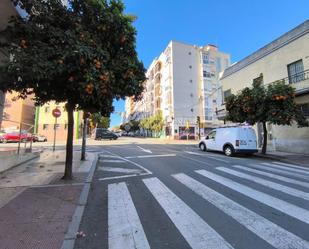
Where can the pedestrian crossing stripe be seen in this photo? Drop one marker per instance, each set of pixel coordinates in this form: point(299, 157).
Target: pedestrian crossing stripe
point(283, 206)
point(280, 171)
point(193, 228)
point(266, 183)
point(124, 227)
point(292, 165)
point(289, 168)
point(274, 176)
point(265, 229)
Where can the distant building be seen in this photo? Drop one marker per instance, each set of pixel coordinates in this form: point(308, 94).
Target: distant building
point(287, 59)
point(18, 113)
point(182, 84)
point(45, 122)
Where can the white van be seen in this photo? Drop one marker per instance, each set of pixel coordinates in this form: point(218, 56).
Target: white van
point(230, 140)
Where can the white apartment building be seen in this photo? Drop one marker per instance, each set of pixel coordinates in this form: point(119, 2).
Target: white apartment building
point(183, 84)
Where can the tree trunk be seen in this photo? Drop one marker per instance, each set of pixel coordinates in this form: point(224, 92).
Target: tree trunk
point(69, 148)
point(264, 147)
point(83, 156)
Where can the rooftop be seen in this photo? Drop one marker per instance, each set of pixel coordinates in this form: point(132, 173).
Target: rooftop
point(283, 40)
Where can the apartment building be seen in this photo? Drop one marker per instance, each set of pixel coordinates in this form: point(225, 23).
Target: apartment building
point(45, 122)
point(182, 83)
point(287, 59)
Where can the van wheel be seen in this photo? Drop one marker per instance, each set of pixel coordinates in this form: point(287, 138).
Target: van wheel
point(228, 150)
point(202, 146)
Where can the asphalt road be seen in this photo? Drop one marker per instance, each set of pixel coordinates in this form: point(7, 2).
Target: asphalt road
point(177, 197)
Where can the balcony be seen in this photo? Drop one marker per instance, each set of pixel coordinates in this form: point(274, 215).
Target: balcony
point(299, 81)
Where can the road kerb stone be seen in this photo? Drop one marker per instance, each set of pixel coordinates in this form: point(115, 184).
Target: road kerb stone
point(70, 237)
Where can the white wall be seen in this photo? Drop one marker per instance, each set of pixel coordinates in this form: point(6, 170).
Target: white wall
point(185, 92)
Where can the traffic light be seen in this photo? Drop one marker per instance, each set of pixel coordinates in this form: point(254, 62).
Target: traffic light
point(198, 119)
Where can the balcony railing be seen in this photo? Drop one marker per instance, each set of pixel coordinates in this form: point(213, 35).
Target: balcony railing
point(299, 81)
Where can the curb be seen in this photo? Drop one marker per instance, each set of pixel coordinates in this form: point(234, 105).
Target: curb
point(278, 158)
point(70, 237)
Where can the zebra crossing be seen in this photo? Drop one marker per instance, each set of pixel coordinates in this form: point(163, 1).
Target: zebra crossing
point(125, 224)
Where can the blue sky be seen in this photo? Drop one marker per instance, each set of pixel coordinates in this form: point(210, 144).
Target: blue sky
point(238, 27)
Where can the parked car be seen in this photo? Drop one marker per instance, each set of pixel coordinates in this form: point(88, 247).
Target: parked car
point(118, 133)
point(14, 136)
point(230, 140)
point(100, 134)
point(39, 138)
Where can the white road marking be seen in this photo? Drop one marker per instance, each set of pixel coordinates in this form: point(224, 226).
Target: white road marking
point(193, 228)
point(111, 161)
point(268, 231)
point(269, 184)
point(148, 151)
point(123, 176)
point(204, 155)
point(292, 165)
point(124, 227)
point(280, 171)
point(292, 169)
point(120, 170)
point(283, 206)
point(108, 156)
point(150, 156)
point(281, 178)
point(134, 163)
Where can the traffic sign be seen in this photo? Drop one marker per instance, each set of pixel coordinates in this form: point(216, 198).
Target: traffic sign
point(56, 113)
point(127, 127)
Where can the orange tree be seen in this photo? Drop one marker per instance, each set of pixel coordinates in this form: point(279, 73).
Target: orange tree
point(274, 104)
point(83, 55)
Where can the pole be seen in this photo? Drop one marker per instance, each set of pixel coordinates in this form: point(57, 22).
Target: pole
point(199, 130)
point(18, 150)
point(83, 156)
point(55, 134)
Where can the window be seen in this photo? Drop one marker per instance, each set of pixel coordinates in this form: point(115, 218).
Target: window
point(227, 63)
point(227, 93)
point(206, 74)
point(45, 127)
point(208, 102)
point(296, 71)
point(218, 64)
point(205, 58)
point(207, 86)
point(189, 53)
point(65, 126)
point(190, 67)
point(212, 135)
point(191, 81)
point(191, 95)
point(208, 114)
point(56, 126)
point(305, 109)
point(47, 109)
point(258, 79)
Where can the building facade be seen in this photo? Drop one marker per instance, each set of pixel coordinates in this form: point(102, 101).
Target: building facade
point(45, 122)
point(287, 59)
point(182, 84)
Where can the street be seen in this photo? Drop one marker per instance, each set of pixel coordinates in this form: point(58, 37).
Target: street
point(147, 195)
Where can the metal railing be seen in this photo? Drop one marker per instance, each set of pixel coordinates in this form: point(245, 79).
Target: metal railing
point(296, 80)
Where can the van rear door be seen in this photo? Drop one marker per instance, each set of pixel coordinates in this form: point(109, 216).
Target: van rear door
point(250, 138)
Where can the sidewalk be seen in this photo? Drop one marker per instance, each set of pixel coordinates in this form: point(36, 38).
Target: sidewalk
point(36, 206)
point(291, 158)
